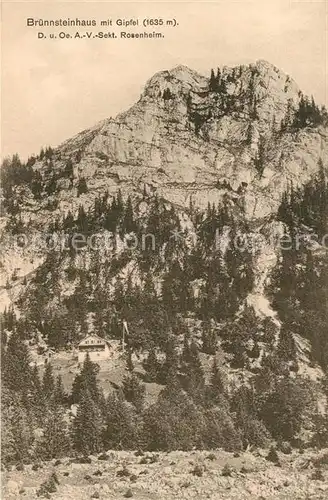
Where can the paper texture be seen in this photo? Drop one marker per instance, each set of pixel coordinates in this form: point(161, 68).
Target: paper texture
point(164, 232)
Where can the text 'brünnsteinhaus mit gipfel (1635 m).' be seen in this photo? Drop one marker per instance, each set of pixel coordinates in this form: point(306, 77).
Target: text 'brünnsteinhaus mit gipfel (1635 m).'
point(124, 28)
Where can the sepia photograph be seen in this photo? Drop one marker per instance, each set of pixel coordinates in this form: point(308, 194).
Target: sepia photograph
point(164, 250)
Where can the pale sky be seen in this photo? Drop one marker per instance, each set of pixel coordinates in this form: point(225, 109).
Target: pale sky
point(53, 89)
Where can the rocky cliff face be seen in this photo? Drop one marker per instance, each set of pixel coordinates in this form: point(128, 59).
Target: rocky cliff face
point(190, 139)
point(184, 141)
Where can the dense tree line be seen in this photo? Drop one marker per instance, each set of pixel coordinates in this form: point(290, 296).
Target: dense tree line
point(172, 276)
point(169, 282)
point(189, 412)
point(300, 279)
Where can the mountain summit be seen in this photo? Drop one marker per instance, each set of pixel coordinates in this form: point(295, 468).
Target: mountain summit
point(189, 133)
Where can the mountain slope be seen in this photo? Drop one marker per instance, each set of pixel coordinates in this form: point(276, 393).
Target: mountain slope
point(240, 137)
point(169, 219)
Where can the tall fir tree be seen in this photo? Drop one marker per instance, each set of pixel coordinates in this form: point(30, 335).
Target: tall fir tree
point(87, 425)
point(48, 383)
point(216, 390)
point(134, 391)
point(55, 441)
point(16, 371)
point(86, 380)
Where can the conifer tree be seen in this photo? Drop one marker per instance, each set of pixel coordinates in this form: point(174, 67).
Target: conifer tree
point(216, 391)
point(213, 84)
point(194, 382)
point(209, 339)
point(129, 224)
point(36, 388)
point(152, 366)
point(283, 407)
point(260, 157)
point(286, 349)
point(48, 383)
point(69, 172)
point(133, 390)
point(86, 380)
point(55, 441)
point(174, 422)
point(170, 368)
point(36, 397)
point(122, 424)
point(16, 428)
point(16, 368)
point(59, 393)
point(119, 204)
point(82, 187)
point(87, 425)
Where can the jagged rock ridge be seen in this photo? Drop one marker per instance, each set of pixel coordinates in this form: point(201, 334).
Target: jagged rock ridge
point(183, 141)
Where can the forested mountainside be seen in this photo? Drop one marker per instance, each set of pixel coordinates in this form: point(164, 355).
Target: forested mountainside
point(199, 217)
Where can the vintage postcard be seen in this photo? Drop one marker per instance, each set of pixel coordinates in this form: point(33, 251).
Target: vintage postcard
point(164, 237)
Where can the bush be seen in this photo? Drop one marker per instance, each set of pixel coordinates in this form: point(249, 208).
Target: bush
point(36, 466)
point(318, 475)
point(284, 447)
point(48, 486)
point(322, 460)
point(123, 472)
point(198, 470)
point(82, 460)
point(149, 459)
point(227, 470)
point(273, 456)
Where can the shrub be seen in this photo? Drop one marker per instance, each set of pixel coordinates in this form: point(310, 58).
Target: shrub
point(227, 470)
point(149, 459)
point(83, 460)
point(246, 470)
point(198, 470)
point(273, 456)
point(322, 460)
point(284, 447)
point(48, 486)
point(317, 475)
point(124, 472)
